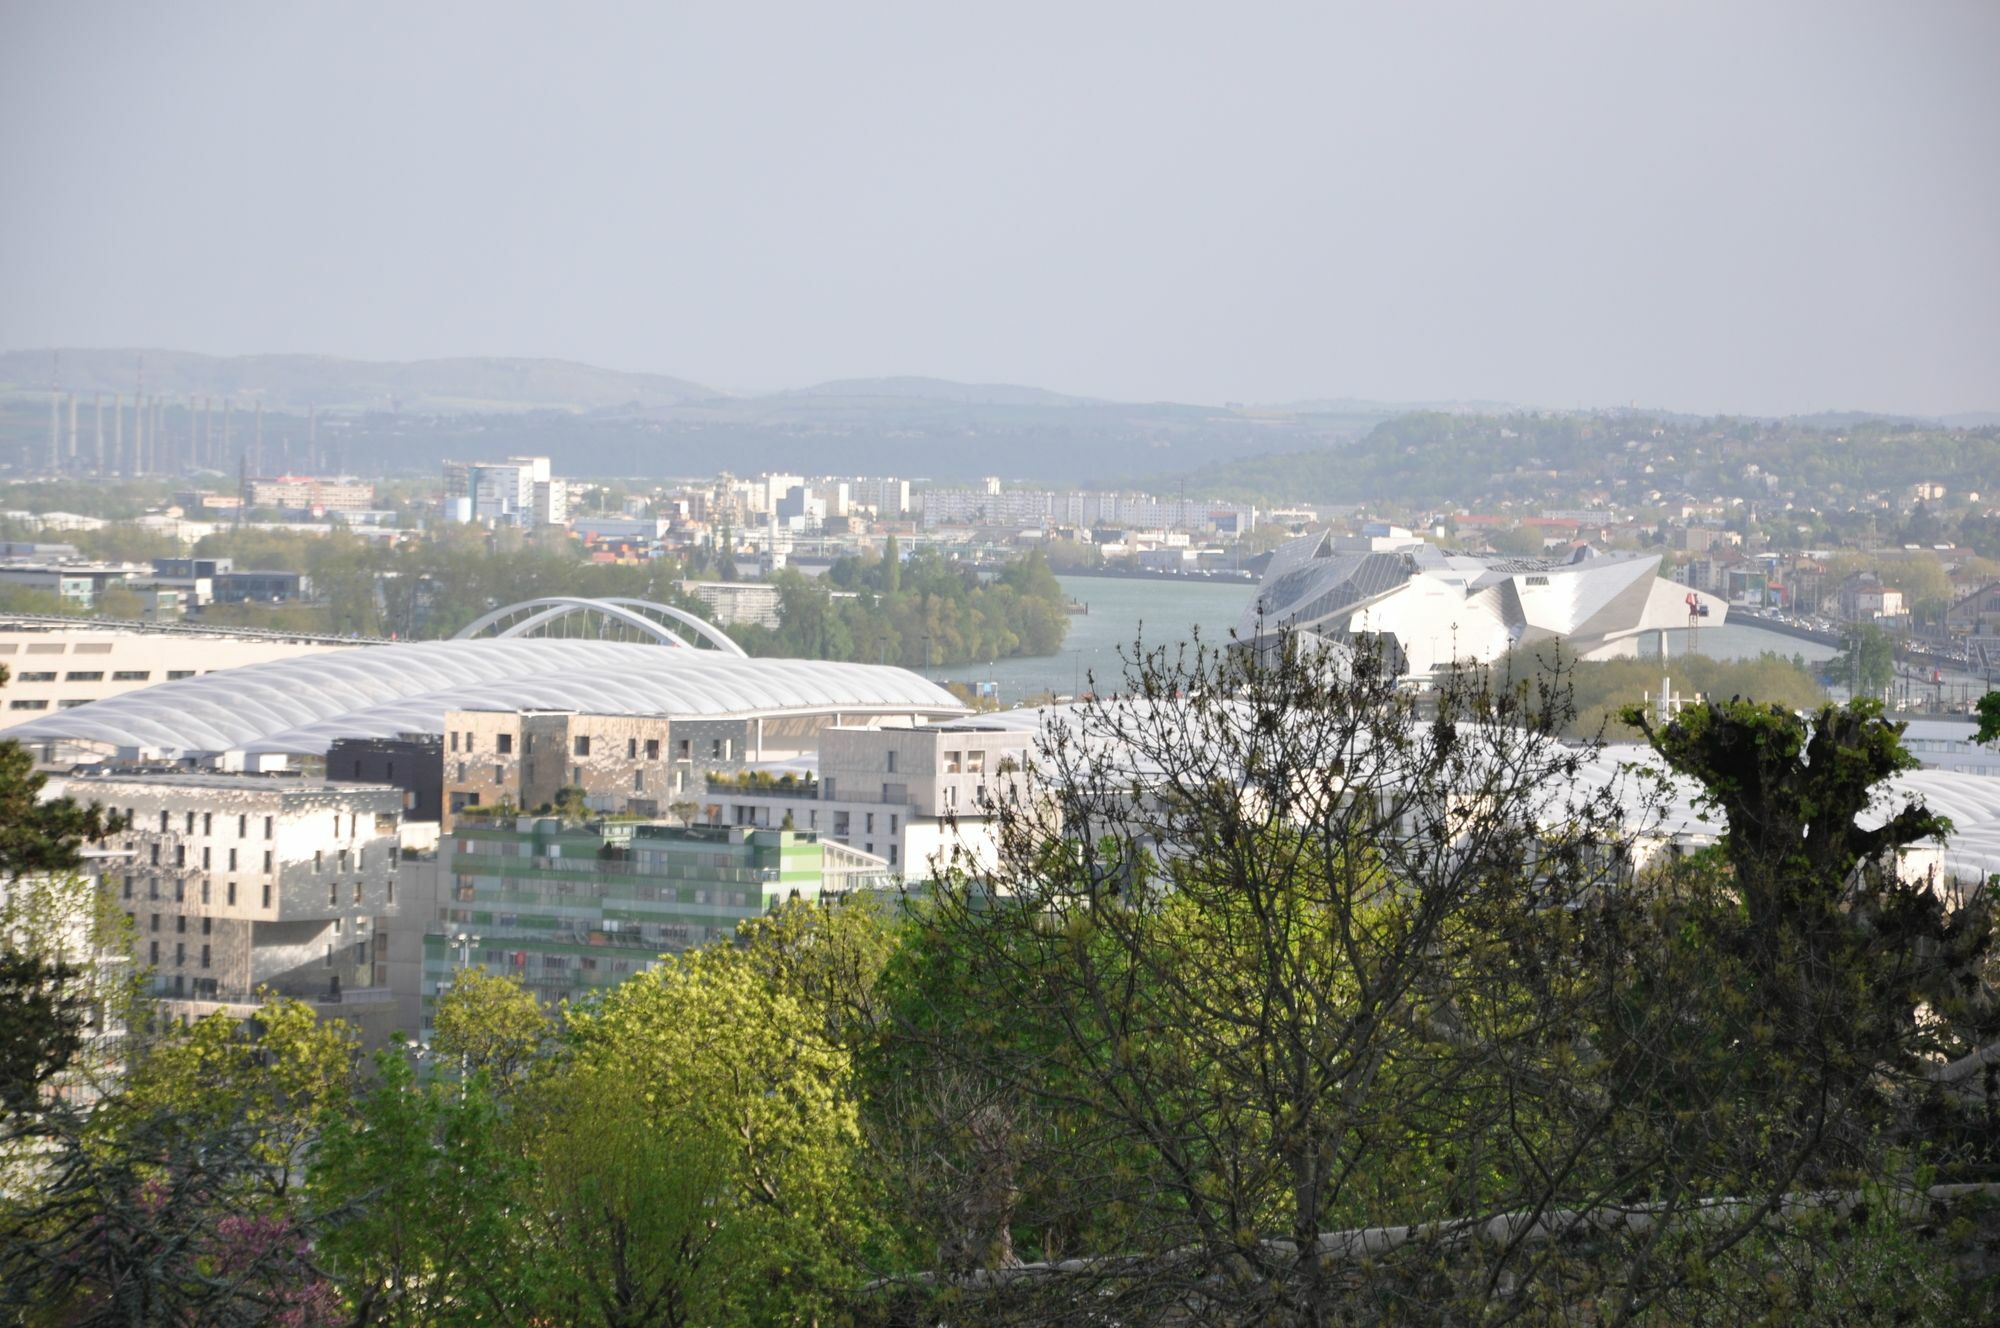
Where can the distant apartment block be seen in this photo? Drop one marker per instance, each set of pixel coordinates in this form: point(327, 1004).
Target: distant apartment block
point(310, 493)
point(1040, 508)
point(519, 491)
point(731, 603)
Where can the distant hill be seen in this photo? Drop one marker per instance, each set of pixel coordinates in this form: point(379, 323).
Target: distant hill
point(297, 383)
point(939, 389)
point(1539, 457)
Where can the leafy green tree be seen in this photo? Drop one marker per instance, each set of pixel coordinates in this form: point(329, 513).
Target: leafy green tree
point(695, 1153)
point(1867, 660)
point(1989, 717)
point(414, 1191)
point(278, 1076)
point(491, 1023)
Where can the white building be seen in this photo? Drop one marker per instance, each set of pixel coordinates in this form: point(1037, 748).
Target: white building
point(1429, 608)
point(236, 884)
point(60, 668)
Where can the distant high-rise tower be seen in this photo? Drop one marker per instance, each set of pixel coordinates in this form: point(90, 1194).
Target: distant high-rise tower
point(55, 414)
point(99, 401)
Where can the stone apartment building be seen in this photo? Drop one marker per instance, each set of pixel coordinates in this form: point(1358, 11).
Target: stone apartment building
point(892, 792)
point(640, 765)
point(237, 883)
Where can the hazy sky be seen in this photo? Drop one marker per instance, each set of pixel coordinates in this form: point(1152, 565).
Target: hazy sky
point(1731, 206)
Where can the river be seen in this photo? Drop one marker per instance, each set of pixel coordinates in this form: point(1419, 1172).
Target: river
point(1171, 611)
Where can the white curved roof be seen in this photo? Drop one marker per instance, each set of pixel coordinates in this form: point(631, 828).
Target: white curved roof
point(302, 705)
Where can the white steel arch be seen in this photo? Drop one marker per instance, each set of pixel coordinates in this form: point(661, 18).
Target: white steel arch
point(643, 615)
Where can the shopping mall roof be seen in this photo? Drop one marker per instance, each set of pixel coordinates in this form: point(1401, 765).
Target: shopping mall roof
point(302, 705)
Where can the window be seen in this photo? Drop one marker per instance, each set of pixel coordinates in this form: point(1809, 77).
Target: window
point(893, 818)
point(892, 855)
point(180, 892)
point(163, 823)
point(652, 749)
point(499, 774)
point(504, 744)
point(189, 827)
point(205, 886)
point(357, 892)
point(952, 761)
point(576, 775)
point(154, 954)
point(333, 896)
point(204, 956)
point(454, 739)
point(230, 897)
point(181, 924)
point(152, 889)
point(232, 859)
point(84, 675)
point(631, 749)
point(128, 887)
point(343, 861)
point(868, 824)
point(270, 824)
point(267, 895)
point(204, 857)
point(156, 855)
point(267, 859)
point(461, 772)
point(892, 760)
point(180, 952)
point(38, 677)
point(180, 855)
point(131, 675)
point(18, 704)
point(156, 922)
point(174, 675)
point(638, 781)
point(242, 827)
point(329, 954)
point(686, 748)
point(583, 745)
point(319, 860)
point(975, 763)
point(208, 823)
point(392, 892)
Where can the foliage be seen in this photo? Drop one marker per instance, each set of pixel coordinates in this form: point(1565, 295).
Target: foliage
point(1602, 689)
point(416, 1186)
point(274, 1079)
point(1867, 660)
point(68, 987)
point(1989, 717)
point(696, 1152)
point(489, 1022)
point(927, 612)
point(1283, 990)
point(40, 834)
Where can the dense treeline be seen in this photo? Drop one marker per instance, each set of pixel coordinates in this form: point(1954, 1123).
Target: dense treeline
point(914, 612)
point(1349, 1015)
point(1601, 689)
point(1431, 457)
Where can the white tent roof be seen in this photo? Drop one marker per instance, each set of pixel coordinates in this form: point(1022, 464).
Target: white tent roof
point(302, 705)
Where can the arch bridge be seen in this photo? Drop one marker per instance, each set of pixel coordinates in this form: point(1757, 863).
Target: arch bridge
point(610, 619)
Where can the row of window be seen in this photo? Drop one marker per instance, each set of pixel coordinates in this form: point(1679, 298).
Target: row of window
point(229, 892)
point(97, 675)
point(581, 745)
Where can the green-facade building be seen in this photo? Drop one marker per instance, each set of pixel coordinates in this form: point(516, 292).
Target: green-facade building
point(573, 909)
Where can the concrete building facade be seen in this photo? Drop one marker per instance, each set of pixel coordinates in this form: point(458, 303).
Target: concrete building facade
point(240, 883)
